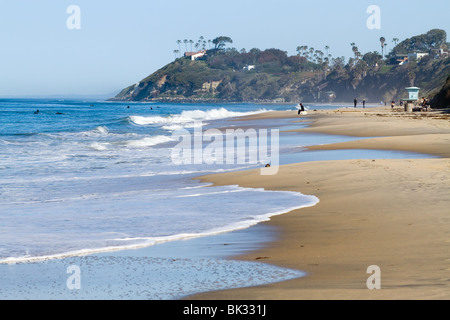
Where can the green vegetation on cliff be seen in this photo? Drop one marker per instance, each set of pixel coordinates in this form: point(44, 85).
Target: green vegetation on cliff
point(271, 75)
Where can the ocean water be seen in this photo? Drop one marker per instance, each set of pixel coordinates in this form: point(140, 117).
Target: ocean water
point(83, 177)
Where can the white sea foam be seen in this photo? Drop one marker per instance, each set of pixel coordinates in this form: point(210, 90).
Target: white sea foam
point(101, 130)
point(99, 146)
point(5, 142)
point(148, 141)
point(210, 193)
point(97, 185)
point(186, 118)
point(126, 243)
point(174, 127)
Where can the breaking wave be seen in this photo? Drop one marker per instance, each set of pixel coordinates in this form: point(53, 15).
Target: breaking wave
point(186, 118)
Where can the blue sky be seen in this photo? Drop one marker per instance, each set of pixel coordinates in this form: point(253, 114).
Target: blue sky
point(122, 42)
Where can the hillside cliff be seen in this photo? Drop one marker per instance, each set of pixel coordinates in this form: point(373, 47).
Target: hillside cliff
point(442, 98)
point(223, 75)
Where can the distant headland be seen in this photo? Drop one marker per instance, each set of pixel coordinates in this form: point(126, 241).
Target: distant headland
point(214, 73)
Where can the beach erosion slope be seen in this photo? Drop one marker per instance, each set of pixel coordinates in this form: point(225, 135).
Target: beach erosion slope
point(391, 213)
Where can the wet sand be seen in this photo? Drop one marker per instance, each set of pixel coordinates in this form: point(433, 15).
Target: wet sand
point(390, 213)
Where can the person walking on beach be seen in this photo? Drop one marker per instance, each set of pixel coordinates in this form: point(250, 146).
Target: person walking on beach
point(392, 105)
point(355, 102)
point(364, 103)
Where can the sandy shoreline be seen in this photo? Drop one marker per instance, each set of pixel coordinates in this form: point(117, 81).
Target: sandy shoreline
point(389, 213)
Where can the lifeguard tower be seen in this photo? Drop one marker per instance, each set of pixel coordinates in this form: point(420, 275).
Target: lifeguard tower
point(413, 97)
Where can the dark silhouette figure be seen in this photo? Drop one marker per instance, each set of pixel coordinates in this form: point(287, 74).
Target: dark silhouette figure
point(302, 108)
point(355, 102)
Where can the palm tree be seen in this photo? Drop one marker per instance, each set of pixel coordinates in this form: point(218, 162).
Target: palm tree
point(326, 49)
point(179, 44)
point(191, 42)
point(185, 41)
point(311, 52)
point(320, 55)
point(299, 49)
point(395, 40)
point(355, 50)
point(383, 43)
point(305, 51)
point(412, 78)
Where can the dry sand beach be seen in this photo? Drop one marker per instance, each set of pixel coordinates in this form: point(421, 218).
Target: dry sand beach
point(390, 213)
